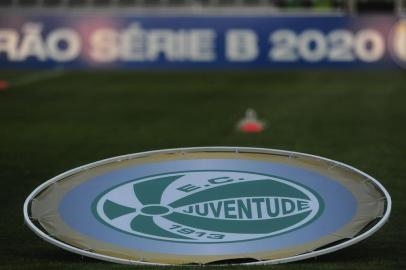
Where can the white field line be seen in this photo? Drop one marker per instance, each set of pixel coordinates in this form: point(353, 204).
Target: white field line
point(38, 76)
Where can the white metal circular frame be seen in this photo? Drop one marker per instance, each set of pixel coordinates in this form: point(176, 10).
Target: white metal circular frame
point(63, 245)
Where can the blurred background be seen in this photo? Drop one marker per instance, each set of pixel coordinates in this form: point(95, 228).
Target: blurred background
point(383, 6)
point(84, 80)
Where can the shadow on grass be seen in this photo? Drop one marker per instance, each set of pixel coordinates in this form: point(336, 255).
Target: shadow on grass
point(353, 254)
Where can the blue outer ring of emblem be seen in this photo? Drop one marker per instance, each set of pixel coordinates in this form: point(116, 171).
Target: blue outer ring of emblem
point(340, 207)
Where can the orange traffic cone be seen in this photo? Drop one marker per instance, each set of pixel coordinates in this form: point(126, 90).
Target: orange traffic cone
point(250, 123)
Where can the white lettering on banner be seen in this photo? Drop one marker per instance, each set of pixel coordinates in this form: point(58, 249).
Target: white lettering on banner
point(340, 45)
point(341, 42)
point(137, 44)
point(133, 44)
point(104, 45)
point(312, 46)
point(369, 45)
point(203, 45)
point(70, 39)
point(32, 44)
point(241, 45)
point(60, 45)
point(284, 44)
point(161, 42)
point(8, 43)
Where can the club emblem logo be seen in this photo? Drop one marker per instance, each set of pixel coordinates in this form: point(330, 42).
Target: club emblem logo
point(207, 206)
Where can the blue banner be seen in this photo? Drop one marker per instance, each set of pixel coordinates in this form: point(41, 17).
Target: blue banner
point(183, 42)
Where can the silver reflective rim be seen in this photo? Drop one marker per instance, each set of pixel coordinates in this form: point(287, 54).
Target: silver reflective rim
point(60, 244)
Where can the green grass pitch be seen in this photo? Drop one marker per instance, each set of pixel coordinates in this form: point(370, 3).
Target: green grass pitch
point(52, 122)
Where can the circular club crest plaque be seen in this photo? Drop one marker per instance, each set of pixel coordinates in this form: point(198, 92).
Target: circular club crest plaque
point(208, 205)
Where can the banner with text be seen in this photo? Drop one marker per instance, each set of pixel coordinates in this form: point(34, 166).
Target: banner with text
point(148, 42)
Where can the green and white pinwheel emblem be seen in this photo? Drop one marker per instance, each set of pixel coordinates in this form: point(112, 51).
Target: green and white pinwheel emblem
point(207, 206)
